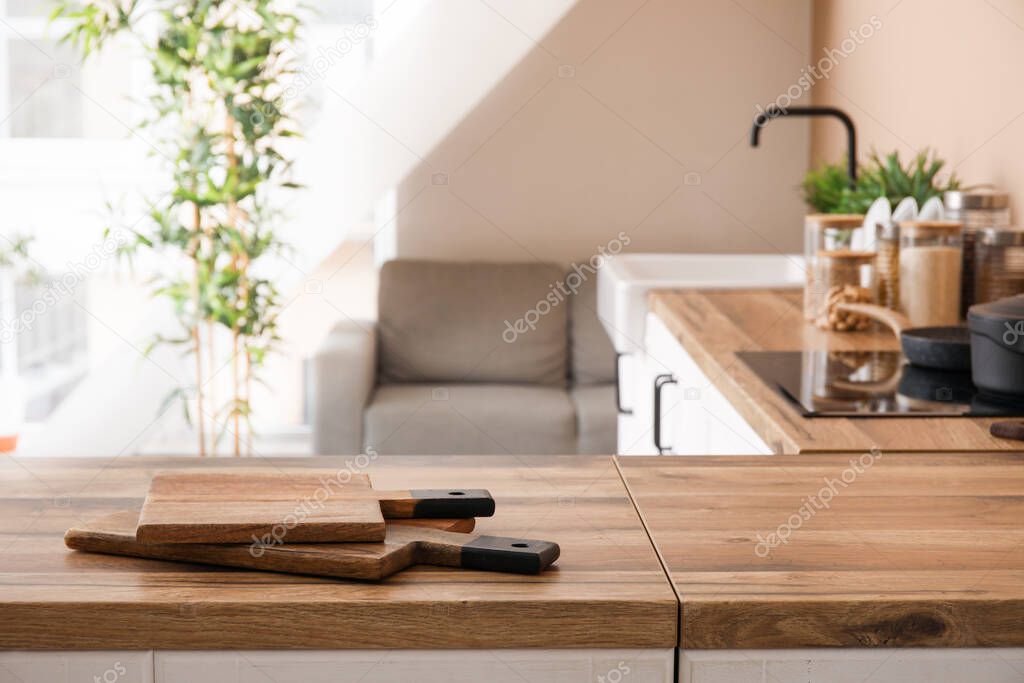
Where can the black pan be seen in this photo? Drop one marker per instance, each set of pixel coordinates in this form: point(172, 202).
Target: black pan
point(943, 348)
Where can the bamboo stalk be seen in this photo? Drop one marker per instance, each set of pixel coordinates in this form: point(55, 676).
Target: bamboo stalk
point(197, 220)
point(200, 416)
point(212, 360)
point(234, 384)
point(199, 392)
point(248, 399)
point(229, 138)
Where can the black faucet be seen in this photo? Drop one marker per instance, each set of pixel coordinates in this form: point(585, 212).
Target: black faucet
point(774, 112)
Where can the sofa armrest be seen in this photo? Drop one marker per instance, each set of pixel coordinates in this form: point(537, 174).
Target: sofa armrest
point(344, 374)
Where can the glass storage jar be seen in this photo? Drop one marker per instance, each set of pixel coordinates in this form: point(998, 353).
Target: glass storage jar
point(826, 235)
point(844, 276)
point(931, 259)
point(887, 265)
point(976, 209)
point(999, 264)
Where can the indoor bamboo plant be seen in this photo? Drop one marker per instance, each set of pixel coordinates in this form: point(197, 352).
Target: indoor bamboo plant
point(218, 118)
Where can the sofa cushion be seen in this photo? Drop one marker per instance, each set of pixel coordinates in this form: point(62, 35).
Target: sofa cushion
point(591, 351)
point(596, 419)
point(469, 419)
point(471, 322)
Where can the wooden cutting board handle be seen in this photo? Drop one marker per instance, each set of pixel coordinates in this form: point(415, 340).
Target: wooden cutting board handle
point(487, 553)
point(433, 503)
point(897, 322)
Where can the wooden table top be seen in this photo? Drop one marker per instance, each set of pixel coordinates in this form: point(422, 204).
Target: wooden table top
point(712, 325)
point(912, 550)
point(607, 589)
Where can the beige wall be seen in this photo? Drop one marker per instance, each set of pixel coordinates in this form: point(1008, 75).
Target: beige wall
point(554, 167)
point(940, 73)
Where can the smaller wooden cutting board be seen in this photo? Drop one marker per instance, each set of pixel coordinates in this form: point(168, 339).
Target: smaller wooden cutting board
point(257, 505)
point(297, 505)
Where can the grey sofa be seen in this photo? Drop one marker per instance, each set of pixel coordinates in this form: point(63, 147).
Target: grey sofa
point(469, 358)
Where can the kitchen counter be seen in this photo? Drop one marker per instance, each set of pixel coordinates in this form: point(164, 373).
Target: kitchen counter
point(916, 550)
point(713, 325)
point(607, 590)
point(804, 568)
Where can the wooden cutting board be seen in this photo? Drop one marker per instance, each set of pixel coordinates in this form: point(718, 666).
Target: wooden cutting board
point(298, 505)
point(404, 545)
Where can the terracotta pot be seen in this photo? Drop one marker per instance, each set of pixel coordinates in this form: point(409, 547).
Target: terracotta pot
point(8, 443)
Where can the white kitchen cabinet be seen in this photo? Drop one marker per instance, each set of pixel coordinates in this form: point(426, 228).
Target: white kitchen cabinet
point(841, 665)
point(423, 666)
point(696, 419)
point(623, 284)
point(341, 666)
point(75, 667)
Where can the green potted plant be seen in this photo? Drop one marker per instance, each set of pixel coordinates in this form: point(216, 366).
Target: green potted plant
point(219, 118)
point(827, 189)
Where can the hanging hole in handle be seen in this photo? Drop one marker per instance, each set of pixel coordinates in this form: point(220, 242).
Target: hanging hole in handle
point(520, 545)
point(456, 493)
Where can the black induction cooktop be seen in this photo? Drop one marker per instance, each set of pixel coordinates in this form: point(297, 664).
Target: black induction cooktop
point(872, 384)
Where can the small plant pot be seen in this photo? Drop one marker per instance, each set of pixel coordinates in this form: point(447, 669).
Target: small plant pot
point(8, 443)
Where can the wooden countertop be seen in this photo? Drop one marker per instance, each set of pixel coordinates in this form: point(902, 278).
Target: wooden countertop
point(916, 551)
point(712, 325)
point(606, 590)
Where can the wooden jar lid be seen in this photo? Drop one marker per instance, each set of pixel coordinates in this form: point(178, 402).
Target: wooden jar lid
point(846, 255)
point(951, 226)
point(835, 220)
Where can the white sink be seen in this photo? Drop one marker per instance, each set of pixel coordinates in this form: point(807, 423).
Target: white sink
point(623, 283)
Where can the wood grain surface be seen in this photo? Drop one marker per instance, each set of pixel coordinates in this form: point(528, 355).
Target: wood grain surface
point(606, 590)
point(224, 506)
point(913, 550)
point(713, 325)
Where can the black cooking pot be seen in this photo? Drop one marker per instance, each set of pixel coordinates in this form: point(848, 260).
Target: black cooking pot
point(997, 346)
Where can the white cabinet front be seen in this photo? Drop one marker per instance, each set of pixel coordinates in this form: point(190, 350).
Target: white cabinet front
point(853, 665)
point(694, 417)
point(445, 666)
point(113, 666)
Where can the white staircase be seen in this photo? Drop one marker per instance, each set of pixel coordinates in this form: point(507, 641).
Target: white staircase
point(430, 64)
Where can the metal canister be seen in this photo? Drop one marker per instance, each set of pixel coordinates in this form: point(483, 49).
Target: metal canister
point(999, 264)
point(976, 209)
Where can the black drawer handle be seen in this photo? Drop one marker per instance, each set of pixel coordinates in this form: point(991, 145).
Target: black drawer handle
point(659, 382)
point(618, 391)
